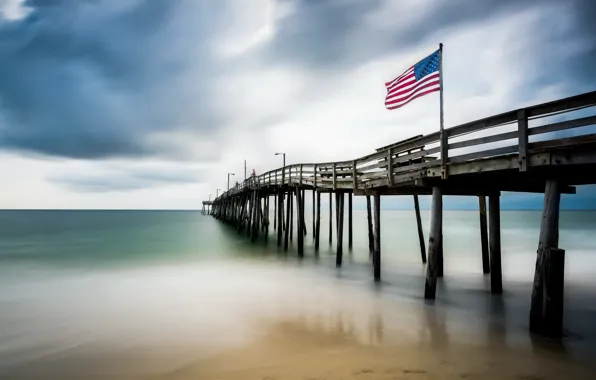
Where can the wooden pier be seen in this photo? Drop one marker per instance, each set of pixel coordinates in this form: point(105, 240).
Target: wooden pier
point(452, 163)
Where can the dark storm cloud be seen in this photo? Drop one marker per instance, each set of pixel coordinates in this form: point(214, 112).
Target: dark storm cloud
point(125, 180)
point(95, 78)
point(328, 34)
point(101, 78)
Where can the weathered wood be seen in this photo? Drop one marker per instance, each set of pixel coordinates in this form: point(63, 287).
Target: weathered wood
point(274, 212)
point(484, 140)
point(554, 285)
point(318, 224)
point(390, 166)
point(334, 177)
point(340, 230)
point(483, 234)
point(288, 226)
point(303, 197)
point(436, 227)
point(250, 214)
point(549, 239)
point(484, 154)
point(371, 243)
point(354, 175)
point(377, 244)
point(291, 195)
point(522, 130)
point(350, 229)
point(299, 222)
point(494, 214)
point(313, 215)
point(330, 220)
point(280, 206)
point(562, 125)
point(420, 230)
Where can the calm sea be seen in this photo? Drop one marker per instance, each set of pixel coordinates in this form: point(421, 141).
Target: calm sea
point(124, 286)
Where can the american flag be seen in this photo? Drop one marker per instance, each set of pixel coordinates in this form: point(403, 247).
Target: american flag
point(420, 79)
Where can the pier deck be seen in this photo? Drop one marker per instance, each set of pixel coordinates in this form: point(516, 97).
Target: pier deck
point(472, 159)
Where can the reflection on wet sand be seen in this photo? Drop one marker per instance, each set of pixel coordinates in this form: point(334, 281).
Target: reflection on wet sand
point(339, 346)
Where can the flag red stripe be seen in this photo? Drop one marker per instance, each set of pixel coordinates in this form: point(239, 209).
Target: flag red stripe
point(405, 82)
point(390, 83)
point(416, 96)
point(414, 91)
point(396, 92)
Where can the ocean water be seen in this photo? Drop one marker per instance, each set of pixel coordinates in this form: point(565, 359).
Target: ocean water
point(109, 292)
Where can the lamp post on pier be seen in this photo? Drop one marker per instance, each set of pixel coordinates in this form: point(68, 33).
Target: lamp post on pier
point(229, 174)
point(284, 157)
point(217, 193)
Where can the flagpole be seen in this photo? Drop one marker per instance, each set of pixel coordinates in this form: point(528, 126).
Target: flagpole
point(441, 81)
point(442, 135)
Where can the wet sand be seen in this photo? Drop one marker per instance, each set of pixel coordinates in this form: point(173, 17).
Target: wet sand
point(294, 322)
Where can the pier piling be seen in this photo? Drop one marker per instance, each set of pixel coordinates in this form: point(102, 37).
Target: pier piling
point(420, 230)
point(434, 244)
point(546, 315)
point(483, 234)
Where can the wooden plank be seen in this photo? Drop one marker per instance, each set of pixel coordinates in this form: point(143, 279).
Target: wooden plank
point(574, 141)
point(397, 144)
point(389, 166)
point(444, 143)
point(563, 125)
point(334, 178)
point(522, 130)
point(484, 140)
point(581, 100)
point(354, 175)
point(484, 154)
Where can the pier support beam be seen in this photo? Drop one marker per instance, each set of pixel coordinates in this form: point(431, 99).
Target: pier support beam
point(546, 313)
point(420, 231)
point(318, 224)
point(483, 234)
point(494, 214)
point(377, 244)
point(280, 208)
point(314, 227)
point(287, 231)
point(371, 242)
point(330, 218)
point(300, 221)
point(339, 201)
point(350, 229)
point(434, 242)
point(291, 197)
point(303, 198)
point(274, 212)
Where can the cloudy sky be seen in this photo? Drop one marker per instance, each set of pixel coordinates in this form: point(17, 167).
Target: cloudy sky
point(149, 103)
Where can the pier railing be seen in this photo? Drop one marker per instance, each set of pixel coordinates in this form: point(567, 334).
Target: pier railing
point(436, 154)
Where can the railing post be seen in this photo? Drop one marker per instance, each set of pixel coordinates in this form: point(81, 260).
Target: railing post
point(390, 166)
point(444, 153)
point(315, 177)
point(300, 180)
point(522, 128)
point(334, 177)
point(283, 174)
point(354, 176)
